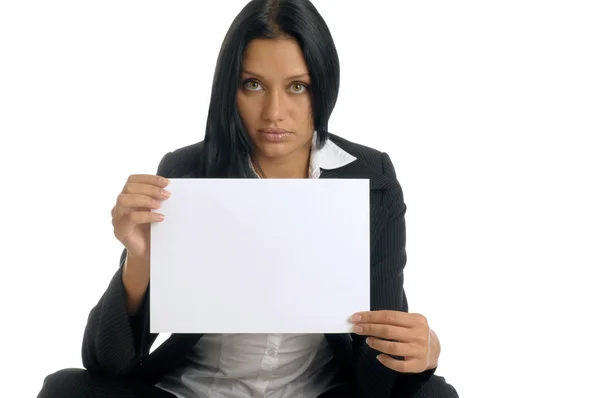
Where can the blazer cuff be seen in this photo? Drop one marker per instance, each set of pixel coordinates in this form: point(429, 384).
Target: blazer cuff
point(408, 384)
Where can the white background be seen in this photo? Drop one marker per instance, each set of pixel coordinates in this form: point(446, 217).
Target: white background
point(490, 111)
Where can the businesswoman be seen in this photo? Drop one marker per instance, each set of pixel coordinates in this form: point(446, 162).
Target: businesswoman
point(275, 86)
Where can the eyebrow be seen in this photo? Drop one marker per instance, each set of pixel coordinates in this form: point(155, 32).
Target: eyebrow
point(288, 78)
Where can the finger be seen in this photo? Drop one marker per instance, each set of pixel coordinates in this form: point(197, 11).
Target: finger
point(145, 217)
point(146, 189)
point(396, 318)
point(387, 332)
point(150, 179)
point(137, 215)
point(116, 217)
point(393, 347)
point(403, 366)
point(127, 202)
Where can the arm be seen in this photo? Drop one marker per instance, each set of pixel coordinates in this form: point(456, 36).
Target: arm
point(136, 278)
point(114, 341)
point(388, 258)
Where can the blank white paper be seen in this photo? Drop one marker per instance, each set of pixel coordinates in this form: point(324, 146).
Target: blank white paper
point(260, 256)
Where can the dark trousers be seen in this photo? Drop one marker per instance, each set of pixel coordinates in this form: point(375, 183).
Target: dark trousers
point(79, 383)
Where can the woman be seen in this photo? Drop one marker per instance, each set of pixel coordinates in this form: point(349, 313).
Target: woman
point(275, 86)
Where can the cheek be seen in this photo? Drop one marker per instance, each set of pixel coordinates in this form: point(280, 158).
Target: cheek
point(303, 111)
point(245, 110)
point(307, 116)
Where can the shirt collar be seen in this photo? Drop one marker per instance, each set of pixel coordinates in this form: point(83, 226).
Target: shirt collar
point(329, 157)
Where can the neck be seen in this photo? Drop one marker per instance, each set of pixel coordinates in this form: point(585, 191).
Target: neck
point(295, 165)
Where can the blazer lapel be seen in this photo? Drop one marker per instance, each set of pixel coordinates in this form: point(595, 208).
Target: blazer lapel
point(341, 347)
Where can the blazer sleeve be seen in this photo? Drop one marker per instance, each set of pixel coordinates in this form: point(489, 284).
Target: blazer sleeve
point(388, 259)
point(114, 342)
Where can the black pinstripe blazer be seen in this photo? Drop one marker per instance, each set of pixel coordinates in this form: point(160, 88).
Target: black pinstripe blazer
point(115, 344)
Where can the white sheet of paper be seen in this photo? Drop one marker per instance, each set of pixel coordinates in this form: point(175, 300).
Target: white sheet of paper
point(260, 256)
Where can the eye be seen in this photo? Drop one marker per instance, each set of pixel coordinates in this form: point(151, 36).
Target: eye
point(252, 85)
point(298, 88)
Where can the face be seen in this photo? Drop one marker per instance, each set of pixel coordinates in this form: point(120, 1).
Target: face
point(273, 99)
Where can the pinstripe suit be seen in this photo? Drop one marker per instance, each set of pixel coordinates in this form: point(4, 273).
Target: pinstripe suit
point(116, 347)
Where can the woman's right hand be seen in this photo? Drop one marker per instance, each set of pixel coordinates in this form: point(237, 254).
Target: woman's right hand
point(132, 215)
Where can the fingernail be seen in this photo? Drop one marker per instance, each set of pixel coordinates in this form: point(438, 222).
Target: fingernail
point(356, 317)
point(357, 329)
point(165, 193)
point(369, 340)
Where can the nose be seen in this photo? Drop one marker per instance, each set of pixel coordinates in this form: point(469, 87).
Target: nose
point(273, 106)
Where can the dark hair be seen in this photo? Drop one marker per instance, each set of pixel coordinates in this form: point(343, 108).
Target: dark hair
point(226, 143)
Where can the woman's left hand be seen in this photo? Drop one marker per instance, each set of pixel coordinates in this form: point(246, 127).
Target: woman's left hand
point(400, 334)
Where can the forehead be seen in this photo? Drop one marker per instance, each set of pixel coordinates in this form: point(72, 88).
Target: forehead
point(274, 58)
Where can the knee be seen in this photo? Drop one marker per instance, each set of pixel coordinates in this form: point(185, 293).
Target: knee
point(66, 383)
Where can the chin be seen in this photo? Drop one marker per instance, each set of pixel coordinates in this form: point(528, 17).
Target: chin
point(275, 150)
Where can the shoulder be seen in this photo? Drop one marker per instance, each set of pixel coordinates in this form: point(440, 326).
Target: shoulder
point(181, 161)
point(376, 166)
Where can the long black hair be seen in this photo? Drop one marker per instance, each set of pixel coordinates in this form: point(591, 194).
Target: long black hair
point(227, 146)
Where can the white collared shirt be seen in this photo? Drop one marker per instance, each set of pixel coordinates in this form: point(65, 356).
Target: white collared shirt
point(261, 365)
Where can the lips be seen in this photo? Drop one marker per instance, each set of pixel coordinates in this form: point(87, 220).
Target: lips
point(273, 131)
point(274, 135)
